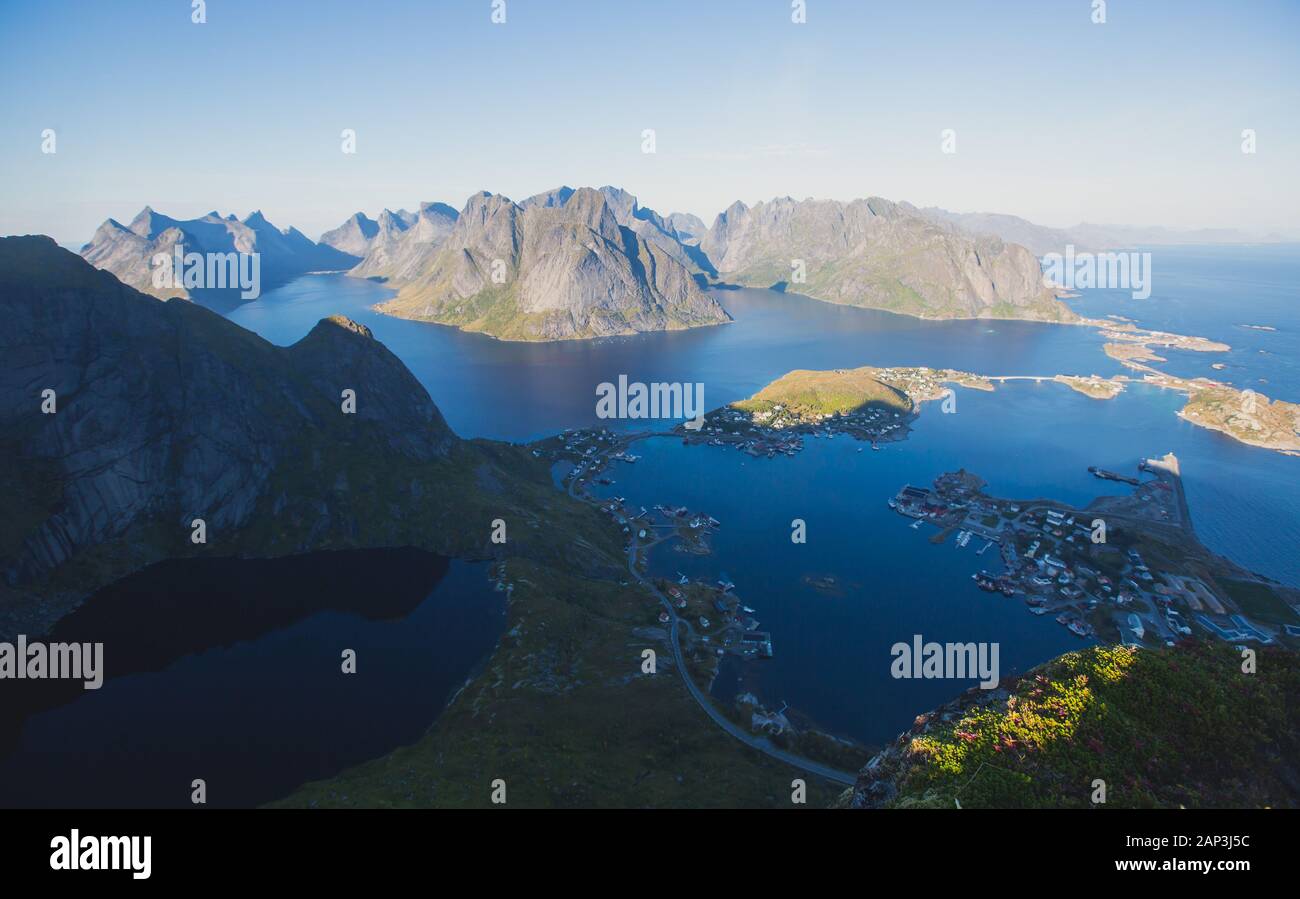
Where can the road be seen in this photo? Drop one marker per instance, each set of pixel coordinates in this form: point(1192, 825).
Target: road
point(762, 744)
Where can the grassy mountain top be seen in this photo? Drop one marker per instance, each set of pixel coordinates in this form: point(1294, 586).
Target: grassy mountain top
point(806, 393)
point(1163, 728)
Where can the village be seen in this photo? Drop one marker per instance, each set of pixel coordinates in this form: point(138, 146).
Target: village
point(1125, 570)
point(714, 621)
point(766, 427)
point(782, 431)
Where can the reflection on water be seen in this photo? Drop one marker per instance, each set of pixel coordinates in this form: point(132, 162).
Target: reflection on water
point(231, 671)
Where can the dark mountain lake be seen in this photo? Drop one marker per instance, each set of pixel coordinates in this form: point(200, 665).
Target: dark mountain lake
point(231, 671)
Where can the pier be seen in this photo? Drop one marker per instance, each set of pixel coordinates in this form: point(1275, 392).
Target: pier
point(1112, 476)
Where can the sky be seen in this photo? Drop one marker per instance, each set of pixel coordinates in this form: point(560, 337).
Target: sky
point(1135, 121)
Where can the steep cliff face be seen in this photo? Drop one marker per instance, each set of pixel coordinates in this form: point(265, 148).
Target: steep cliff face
point(165, 412)
point(879, 254)
point(561, 267)
point(687, 226)
point(647, 224)
point(404, 242)
point(353, 236)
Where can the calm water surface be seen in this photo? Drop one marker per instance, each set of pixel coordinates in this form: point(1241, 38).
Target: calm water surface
point(1026, 439)
point(231, 671)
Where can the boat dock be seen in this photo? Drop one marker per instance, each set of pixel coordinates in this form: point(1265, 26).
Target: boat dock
point(1112, 476)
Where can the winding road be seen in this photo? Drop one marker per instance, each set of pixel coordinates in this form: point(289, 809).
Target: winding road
point(762, 744)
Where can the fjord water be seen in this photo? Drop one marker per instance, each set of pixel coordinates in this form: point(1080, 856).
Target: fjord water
point(832, 656)
point(230, 671)
point(523, 391)
point(1026, 439)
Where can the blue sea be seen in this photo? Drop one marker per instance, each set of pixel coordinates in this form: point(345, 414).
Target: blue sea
point(1026, 439)
point(1246, 297)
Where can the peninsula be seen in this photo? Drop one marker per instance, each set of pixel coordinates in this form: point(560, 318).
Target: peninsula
point(878, 404)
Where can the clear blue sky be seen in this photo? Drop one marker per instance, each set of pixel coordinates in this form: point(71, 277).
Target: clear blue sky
point(1057, 119)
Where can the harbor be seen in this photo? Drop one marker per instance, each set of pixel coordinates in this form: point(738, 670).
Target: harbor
point(1123, 569)
point(713, 620)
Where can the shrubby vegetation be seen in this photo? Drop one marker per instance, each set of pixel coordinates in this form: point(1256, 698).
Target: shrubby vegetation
point(1177, 727)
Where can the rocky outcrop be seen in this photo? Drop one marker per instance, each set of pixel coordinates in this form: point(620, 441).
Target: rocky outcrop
point(881, 255)
point(559, 267)
point(129, 251)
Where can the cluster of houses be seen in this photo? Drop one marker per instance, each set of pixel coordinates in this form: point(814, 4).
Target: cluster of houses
point(1050, 557)
point(732, 629)
point(781, 430)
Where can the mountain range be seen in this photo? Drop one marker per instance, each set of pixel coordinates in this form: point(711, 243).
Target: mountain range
point(1042, 240)
point(879, 254)
point(591, 262)
point(557, 266)
point(128, 251)
point(603, 264)
point(404, 242)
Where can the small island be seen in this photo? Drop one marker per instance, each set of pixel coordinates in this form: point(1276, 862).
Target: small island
point(1244, 415)
point(870, 404)
point(1094, 386)
point(879, 405)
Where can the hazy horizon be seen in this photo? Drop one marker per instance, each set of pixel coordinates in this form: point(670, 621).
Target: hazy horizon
point(246, 111)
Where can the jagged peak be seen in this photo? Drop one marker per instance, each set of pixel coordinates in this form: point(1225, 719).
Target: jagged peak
point(336, 323)
point(556, 196)
point(436, 207)
point(486, 204)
